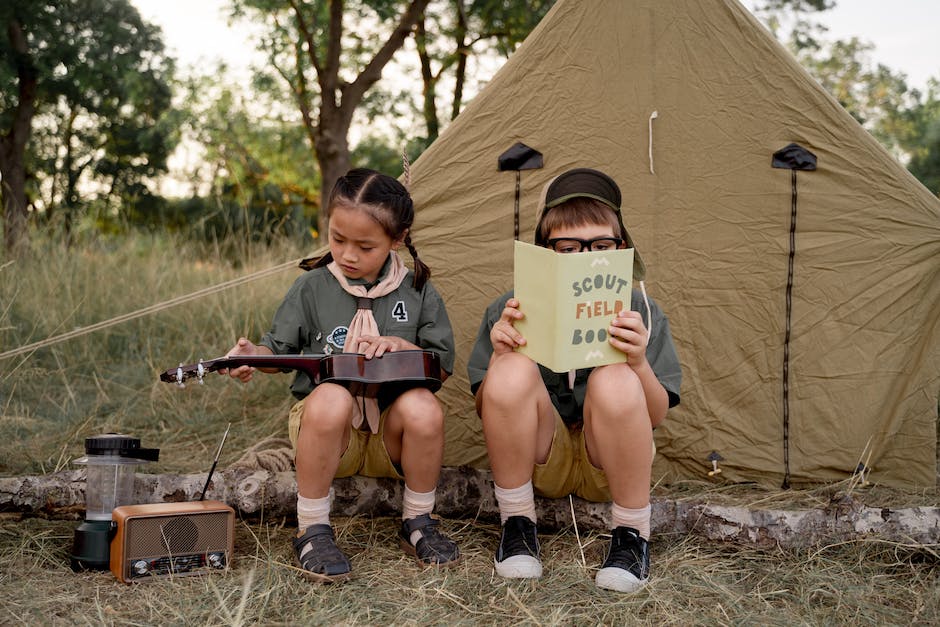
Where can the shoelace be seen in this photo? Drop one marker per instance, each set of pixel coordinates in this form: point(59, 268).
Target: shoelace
point(519, 538)
point(626, 552)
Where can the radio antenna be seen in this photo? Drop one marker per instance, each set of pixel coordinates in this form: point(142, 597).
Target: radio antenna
point(214, 462)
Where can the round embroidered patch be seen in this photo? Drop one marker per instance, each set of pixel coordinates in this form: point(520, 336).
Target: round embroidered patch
point(337, 336)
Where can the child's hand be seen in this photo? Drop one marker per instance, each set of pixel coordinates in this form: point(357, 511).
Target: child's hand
point(503, 336)
point(244, 346)
point(628, 335)
point(377, 345)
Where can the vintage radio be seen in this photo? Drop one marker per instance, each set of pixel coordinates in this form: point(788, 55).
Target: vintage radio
point(161, 540)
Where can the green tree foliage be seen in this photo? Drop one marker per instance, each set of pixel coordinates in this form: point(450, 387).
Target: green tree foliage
point(330, 55)
point(916, 131)
point(803, 30)
point(264, 179)
point(450, 31)
point(904, 120)
point(92, 75)
point(880, 99)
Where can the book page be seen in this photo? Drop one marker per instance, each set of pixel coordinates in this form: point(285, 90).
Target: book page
point(536, 292)
point(569, 302)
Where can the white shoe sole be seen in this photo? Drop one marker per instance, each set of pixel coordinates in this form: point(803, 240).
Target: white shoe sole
point(618, 579)
point(519, 567)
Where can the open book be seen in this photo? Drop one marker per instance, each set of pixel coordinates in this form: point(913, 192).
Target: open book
point(568, 302)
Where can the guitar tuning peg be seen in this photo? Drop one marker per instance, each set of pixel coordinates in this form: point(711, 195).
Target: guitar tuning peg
point(179, 376)
point(200, 372)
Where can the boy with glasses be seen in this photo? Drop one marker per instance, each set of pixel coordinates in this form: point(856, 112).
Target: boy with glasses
point(588, 432)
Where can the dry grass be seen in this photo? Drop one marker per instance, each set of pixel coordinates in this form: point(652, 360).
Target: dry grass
point(692, 583)
point(52, 399)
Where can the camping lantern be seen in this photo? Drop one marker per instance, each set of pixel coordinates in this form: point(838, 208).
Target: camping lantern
point(112, 461)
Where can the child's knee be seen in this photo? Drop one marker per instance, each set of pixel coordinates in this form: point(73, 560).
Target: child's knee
point(618, 388)
point(327, 409)
point(422, 413)
point(513, 376)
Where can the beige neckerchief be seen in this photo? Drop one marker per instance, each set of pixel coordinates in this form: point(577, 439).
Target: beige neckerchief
point(363, 323)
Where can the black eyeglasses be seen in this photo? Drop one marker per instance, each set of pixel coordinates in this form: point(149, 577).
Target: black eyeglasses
point(575, 245)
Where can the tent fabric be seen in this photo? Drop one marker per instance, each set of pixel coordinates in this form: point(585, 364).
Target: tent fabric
point(684, 104)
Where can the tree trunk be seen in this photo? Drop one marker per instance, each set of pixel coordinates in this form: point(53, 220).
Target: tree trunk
point(332, 151)
point(339, 99)
point(466, 493)
point(428, 85)
point(13, 145)
point(13, 175)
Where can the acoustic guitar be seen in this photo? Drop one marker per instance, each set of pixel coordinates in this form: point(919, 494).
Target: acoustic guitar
point(392, 373)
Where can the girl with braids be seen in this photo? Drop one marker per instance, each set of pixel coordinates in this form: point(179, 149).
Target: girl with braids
point(361, 298)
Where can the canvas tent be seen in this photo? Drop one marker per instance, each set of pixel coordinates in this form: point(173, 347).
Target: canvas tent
point(685, 104)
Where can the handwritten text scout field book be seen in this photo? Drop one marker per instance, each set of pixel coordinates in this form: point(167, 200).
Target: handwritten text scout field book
point(568, 301)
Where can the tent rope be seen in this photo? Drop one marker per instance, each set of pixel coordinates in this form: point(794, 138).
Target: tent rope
point(653, 116)
point(167, 304)
point(273, 454)
point(406, 168)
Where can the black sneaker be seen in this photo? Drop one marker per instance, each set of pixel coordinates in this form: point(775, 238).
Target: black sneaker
point(433, 547)
point(627, 567)
point(319, 557)
point(518, 553)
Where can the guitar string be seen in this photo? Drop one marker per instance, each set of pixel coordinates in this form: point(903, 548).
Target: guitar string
point(167, 304)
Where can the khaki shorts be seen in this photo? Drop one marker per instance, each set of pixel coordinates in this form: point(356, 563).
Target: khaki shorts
point(568, 470)
point(365, 455)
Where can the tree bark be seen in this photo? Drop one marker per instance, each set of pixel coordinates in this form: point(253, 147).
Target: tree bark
point(13, 145)
point(339, 100)
point(466, 493)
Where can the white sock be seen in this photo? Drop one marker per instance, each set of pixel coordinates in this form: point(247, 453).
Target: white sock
point(414, 504)
point(638, 519)
point(515, 501)
point(313, 511)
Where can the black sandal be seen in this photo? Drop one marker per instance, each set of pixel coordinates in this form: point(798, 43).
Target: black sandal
point(433, 548)
point(324, 562)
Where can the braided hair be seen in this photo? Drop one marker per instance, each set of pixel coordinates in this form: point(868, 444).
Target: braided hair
point(388, 202)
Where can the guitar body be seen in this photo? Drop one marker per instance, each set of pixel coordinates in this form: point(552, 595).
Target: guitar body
point(391, 374)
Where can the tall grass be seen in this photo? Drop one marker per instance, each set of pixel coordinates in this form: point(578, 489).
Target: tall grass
point(107, 380)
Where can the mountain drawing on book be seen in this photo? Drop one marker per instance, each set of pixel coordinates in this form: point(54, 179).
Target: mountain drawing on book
point(569, 301)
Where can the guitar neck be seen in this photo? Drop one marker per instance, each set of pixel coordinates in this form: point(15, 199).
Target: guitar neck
point(393, 372)
point(308, 364)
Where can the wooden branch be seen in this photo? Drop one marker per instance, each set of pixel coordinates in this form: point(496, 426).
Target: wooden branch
point(467, 493)
point(372, 72)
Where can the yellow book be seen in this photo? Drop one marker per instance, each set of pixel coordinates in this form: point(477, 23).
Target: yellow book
point(569, 302)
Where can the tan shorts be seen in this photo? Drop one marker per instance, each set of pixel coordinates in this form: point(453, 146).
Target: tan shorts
point(365, 455)
point(568, 470)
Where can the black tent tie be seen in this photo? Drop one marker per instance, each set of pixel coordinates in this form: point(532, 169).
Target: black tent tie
point(793, 157)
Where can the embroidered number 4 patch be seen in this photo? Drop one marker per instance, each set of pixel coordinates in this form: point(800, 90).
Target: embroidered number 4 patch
point(399, 312)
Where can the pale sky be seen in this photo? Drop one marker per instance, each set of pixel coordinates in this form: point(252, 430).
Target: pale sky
point(904, 31)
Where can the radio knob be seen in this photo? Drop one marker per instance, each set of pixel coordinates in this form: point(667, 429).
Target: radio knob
point(216, 560)
point(141, 567)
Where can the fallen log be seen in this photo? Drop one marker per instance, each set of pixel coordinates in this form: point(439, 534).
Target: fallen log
point(467, 493)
